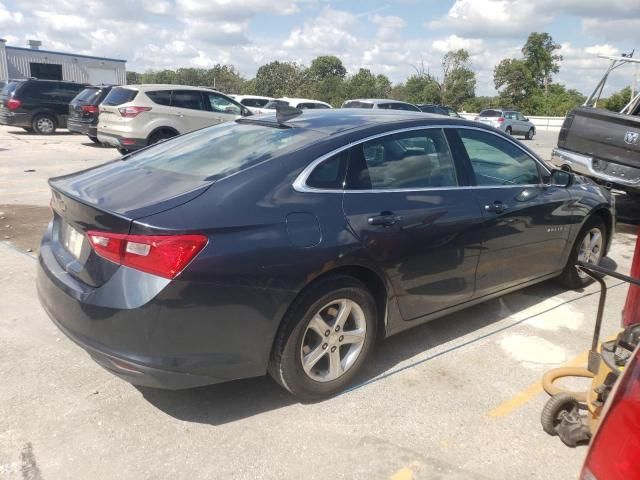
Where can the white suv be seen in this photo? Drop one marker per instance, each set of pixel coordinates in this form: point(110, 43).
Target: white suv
point(255, 103)
point(135, 116)
point(301, 103)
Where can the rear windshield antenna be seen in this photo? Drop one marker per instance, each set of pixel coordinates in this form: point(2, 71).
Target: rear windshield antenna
point(284, 113)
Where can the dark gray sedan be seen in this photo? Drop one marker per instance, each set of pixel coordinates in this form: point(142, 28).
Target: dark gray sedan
point(290, 244)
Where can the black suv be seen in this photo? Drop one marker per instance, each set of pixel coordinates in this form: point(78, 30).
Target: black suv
point(38, 106)
point(83, 111)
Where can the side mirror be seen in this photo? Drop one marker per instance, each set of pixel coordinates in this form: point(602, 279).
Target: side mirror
point(560, 178)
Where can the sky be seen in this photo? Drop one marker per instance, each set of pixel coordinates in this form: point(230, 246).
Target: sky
point(393, 37)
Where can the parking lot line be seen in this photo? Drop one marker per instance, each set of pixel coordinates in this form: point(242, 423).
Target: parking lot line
point(405, 473)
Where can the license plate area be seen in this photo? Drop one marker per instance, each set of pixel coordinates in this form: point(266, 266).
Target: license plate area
point(72, 240)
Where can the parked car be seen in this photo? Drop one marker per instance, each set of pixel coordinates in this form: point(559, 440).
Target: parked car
point(291, 244)
point(134, 116)
point(255, 103)
point(601, 144)
point(301, 103)
point(615, 448)
point(39, 106)
point(438, 109)
point(380, 103)
point(84, 110)
point(513, 123)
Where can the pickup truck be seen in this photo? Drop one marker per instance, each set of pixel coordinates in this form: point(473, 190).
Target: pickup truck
point(601, 144)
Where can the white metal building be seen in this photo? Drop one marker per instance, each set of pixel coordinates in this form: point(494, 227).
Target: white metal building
point(20, 62)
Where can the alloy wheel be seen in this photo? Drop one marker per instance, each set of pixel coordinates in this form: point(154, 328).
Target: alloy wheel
point(590, 249)
point(333, 340)
point(45, 125)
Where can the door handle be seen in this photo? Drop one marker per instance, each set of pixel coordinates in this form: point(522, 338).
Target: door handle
point(385, 219)
point(495, 207)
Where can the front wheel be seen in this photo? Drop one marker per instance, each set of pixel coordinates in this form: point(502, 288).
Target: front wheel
point(530, 134)
point(325, 338)
point(589, 248)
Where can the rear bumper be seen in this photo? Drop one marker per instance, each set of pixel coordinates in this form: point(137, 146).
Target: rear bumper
point(155, 332)
point(15, 119)
point(119, 141)
point(83, 128)
point(600, 170)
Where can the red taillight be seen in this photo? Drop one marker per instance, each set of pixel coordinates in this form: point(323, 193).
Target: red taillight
point(89, 108)
point(500, 119)
point(131, 112)
point(162, 255)
point(614, 453)
point(13, 104)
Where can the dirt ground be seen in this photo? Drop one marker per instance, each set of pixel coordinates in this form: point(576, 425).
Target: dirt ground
point(22, 225)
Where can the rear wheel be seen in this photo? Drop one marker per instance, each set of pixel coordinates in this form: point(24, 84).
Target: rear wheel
point(589, 248)
point(159, 136)
point(530, 134)
point(325, 338)
point(44, 124)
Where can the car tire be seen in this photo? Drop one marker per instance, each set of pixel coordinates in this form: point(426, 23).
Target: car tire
point(28, 129)
point(159, 136)
point(571, 277)
point(122, 151)
point(44, 124)
point(314, 323)
point(508, 130)
point(530, 134)
point(94, 140)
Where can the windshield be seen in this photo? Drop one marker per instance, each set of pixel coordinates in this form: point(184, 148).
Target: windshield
point(356, 104)
point(274, 103)
point(217, 152)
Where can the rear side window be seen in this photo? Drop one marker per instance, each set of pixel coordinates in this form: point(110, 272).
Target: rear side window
point(411, 160)
point(118, 96)
point(254, 102)
point(216, 152)
point(190, 99)
point(490, 113)
point(51, 91)
point(161, 97)
point(498, 162)
point(330, 173)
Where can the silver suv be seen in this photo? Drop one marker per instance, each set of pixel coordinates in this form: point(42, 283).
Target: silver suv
point(514, 123)
point(135, 116)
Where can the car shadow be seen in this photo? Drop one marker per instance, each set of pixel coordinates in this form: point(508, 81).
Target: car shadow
point(58, 132)
point(232, 401)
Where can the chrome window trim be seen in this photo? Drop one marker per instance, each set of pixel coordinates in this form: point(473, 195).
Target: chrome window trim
point(300, 183)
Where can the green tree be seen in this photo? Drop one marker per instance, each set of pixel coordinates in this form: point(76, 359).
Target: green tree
point(477, 104)
point(515, 82)
point(133, 78)
point(422, 88)
point(618, 100)
point(458, 80)
point(556, 103)
point(541, 59)
point(326, 66)
point(398, 92)
point(324, 80)
point(277, 79)
point(365, 84)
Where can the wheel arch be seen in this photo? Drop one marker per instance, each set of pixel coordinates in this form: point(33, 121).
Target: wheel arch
point(162, 129)
point(607, 217)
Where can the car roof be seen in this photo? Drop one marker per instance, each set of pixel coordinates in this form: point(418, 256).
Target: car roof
point(376, 101)
point(166, 86)
point(301, 100)
point(337, 120)
point(250, 96)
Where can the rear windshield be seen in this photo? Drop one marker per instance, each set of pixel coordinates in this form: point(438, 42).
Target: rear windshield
point(88, 95)
point(274, 103)
point(9, 88)
point(217, 152)
point(490, 113)
point(118, 96)
point(355, 104)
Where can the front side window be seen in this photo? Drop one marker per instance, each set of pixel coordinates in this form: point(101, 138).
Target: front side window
point(222, 104)
point(496, 161)
point(190, 99)
point(161, 97)
point(410, 160)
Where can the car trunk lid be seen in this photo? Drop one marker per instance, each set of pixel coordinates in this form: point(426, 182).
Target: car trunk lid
point(108, 199)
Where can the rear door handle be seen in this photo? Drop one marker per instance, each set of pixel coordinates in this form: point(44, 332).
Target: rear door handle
point(385, 219)
point(495, 207)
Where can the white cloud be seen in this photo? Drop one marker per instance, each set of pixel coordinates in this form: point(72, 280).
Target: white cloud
point(8, 18)
point(328, 32)
point(454, 42)
point(388, 26)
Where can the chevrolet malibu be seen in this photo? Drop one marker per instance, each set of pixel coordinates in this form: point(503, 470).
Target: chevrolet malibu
point(290, 245)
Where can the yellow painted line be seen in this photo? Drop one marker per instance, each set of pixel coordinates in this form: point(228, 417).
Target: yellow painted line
point(532, 391)
point(406, 473)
